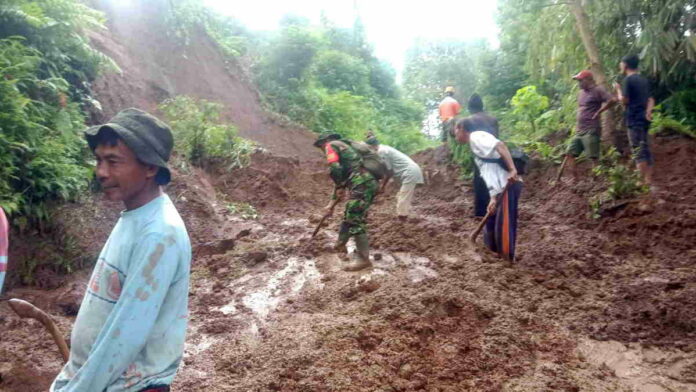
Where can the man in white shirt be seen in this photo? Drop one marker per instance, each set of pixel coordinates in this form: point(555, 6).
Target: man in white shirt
point(406, 171)
point(490, 154)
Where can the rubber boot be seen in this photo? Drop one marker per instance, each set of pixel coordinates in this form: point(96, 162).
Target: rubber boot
point(362, 251)
point(343, 237)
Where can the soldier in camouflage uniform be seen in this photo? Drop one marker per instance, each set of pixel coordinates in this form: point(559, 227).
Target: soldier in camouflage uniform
point(347, 171)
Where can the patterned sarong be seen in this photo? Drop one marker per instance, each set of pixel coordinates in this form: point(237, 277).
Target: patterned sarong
point(500, 232)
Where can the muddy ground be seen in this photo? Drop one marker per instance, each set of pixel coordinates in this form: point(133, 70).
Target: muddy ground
point(591, 305)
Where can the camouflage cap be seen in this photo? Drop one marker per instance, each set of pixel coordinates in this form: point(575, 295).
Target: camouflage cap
point(324, 136)
point(372, 141)
point(150, 139)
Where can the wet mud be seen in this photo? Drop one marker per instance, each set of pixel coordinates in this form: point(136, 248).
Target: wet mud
point(591, 305)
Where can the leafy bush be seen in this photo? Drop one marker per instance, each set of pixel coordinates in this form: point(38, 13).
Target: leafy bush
point(201, 136)
point(623, 181)
point(42, 155)
point(665, 125)
point(528, 106)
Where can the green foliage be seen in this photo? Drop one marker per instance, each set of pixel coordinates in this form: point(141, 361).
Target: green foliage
point(244, 210)
point(528, 105)
point(431, 65)
point(340, 71)
point(665, 125)
point(46, 65)
point(681, 106)
point(623, 181)
point(201, 136)
point(327, 78)
point(189, 16)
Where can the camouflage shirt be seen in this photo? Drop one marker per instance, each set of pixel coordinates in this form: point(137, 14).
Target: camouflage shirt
point(344, 162)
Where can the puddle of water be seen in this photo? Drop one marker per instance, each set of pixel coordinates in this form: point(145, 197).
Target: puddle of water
point(643, 369)
point(280, 286)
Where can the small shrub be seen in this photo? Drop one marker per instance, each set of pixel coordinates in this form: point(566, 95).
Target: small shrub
point(664, 125)
point(244, 210)
point(623, 181)
point(201, 136)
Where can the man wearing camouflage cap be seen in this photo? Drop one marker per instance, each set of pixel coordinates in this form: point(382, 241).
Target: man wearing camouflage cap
point(130, 330)
point(347, 171)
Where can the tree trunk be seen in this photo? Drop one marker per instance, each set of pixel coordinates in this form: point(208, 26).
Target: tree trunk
point(611, 133)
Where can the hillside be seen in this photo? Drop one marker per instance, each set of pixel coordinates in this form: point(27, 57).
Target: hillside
point(156, 66)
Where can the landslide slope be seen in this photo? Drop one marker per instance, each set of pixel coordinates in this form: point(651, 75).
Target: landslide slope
point(156, 65)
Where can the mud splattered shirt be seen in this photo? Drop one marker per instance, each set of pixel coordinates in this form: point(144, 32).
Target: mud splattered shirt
point(130, 331)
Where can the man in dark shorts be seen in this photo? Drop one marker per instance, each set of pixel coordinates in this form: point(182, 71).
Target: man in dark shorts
point(593, 100)
point(639, 103)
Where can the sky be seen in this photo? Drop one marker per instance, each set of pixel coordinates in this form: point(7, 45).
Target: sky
point(391, 26)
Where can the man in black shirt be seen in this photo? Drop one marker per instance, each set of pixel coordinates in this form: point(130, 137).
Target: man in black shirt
point(639, 103)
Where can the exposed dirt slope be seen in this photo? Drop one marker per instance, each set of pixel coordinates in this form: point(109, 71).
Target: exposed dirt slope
point(157, 66)
point(591, 305)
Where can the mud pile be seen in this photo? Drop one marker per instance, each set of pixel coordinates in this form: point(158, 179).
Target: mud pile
point(591, 305)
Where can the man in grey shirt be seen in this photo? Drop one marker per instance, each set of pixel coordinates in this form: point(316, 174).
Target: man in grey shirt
point(406, 171)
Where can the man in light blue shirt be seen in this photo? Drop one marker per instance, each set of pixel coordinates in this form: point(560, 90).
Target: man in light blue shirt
point(130, 330)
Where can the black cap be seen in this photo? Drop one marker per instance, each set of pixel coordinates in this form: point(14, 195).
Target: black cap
point(150, 139)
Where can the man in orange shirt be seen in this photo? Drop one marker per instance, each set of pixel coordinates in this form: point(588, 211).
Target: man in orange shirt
point(449, 109)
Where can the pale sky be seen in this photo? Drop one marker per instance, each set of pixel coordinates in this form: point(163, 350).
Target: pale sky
point(391, 25)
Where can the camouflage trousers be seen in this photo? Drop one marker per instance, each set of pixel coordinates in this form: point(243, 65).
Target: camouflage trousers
point(362, 188)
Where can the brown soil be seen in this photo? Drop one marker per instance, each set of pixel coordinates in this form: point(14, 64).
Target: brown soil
point(271, 310)
point(154, 67)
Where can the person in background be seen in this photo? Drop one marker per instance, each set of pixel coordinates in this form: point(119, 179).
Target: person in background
point(4, 245)
point(130, 331)
point(593, 100)
point(404, 169)
point(487, 123)
point(637, 98)
point(449, 109)
point(500, 231)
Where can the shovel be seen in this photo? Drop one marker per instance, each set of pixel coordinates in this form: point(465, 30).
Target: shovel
point(325, 217)
point(25, 309)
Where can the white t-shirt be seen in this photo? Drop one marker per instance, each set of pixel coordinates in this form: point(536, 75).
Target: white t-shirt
point(483, 146)
point(405, 169)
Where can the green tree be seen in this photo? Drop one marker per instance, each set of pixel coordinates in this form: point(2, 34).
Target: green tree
point(528, 105)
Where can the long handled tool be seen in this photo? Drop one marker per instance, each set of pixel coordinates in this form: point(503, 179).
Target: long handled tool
point(474, 234)
point(325, 217)
point(25, 309)
point(560, 171)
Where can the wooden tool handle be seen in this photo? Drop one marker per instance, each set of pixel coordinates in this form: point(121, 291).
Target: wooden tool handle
point(560, 171)
point(325, 217)
point(25, 309)
point(482, 224)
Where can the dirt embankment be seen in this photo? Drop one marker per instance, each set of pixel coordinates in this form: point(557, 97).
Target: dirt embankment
point(591, 305)
point(156, 65)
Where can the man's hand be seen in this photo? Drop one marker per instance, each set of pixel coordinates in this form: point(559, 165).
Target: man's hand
point(512, 176)
point(617, 87)
point(492, 204)
point(594, 116)
point(648, 116)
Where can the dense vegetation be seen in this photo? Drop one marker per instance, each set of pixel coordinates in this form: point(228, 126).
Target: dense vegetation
point(526, 81)
point(327, 78)
point(46, 65)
